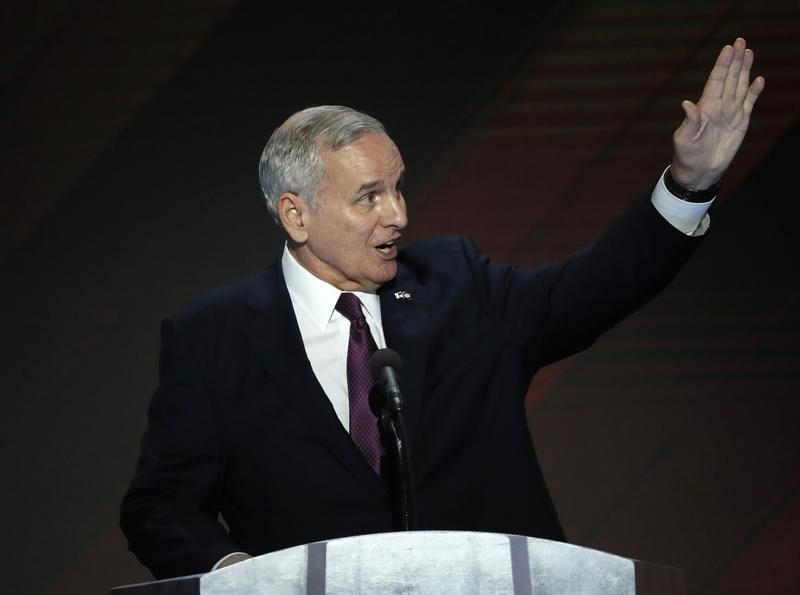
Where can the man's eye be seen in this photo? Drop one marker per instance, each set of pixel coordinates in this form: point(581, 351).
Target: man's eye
point(367, 198)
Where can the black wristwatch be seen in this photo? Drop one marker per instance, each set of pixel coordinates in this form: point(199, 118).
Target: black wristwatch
point(688, 194)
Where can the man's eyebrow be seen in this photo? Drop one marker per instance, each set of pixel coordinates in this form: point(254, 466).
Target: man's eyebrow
point(369, 186)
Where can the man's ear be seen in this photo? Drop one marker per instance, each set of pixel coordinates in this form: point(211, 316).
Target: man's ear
point(293, 211)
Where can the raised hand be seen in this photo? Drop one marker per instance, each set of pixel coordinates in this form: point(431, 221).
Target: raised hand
point(714, 127)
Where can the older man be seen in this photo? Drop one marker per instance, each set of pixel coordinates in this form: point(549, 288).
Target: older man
point(262, 414)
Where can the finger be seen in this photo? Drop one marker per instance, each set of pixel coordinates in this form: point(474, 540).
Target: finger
point(752, 94)
point(716, 80)
point(744, 75)
point(732, 76)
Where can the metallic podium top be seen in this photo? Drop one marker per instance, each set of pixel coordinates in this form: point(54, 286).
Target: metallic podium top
point(423, 562)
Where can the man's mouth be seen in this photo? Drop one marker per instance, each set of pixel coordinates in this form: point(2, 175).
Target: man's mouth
point(386, 247)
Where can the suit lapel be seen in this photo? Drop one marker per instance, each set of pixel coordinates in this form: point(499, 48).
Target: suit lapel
point(276, 339)
point(404, 313)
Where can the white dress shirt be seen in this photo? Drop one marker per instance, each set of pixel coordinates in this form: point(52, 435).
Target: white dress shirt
point(325, 331)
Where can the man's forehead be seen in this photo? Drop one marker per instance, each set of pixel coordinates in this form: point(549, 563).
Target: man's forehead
point(373, 155)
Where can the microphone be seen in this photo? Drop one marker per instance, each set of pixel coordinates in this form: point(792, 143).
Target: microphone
point(385, 366)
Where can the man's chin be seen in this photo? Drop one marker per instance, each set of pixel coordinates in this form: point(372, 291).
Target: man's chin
point(387, 273)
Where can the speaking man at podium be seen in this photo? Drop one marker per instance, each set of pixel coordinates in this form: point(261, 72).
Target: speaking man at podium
point(262, 414)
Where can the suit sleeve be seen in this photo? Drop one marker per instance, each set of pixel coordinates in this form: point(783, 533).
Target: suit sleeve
point(559, 309)
point(169, 513)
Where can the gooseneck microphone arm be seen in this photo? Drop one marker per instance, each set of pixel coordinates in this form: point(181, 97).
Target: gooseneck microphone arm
point(385, 365)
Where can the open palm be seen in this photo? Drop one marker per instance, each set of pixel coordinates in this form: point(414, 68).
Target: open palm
point(714, 127)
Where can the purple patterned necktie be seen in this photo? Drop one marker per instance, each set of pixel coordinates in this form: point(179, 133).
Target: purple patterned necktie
point(363, 424)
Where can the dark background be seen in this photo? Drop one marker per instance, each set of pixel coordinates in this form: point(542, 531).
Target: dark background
point(131, 135)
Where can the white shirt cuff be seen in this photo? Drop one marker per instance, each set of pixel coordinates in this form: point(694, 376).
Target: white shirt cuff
point(223, 558)
point(689, 217)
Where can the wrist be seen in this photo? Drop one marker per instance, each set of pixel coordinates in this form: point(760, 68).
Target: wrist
point(688, 193)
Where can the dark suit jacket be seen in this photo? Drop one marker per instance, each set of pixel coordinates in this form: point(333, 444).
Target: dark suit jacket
point(240, 425)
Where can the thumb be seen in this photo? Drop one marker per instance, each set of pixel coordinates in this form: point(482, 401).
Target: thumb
point(692, 126)
point(692, 113)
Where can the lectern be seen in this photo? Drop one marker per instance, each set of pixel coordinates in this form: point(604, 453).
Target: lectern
point(428, 562)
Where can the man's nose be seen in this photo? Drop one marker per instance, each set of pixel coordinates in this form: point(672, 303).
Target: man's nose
point(394, 212)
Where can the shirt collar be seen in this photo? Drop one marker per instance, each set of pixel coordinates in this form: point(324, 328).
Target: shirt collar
point(316, 297)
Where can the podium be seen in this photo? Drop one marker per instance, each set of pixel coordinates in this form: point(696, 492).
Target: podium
point(428, 562)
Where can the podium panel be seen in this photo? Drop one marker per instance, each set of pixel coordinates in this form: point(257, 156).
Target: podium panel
point(428, 562)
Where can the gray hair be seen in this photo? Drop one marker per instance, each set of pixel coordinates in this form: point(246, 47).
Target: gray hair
point(292, 158)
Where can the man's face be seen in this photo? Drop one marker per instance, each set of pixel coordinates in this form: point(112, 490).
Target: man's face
point(360, 213)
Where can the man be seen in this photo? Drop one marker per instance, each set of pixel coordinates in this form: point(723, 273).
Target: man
point(261, 414)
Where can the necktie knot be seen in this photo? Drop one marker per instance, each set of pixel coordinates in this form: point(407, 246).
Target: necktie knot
point(349, 306)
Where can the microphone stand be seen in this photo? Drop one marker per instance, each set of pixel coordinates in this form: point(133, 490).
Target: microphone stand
point(395, 429)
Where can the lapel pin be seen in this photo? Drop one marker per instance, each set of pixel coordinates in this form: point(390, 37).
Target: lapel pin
point(402, 295)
